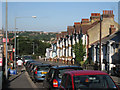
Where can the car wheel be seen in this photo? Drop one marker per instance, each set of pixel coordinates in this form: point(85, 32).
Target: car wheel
point(34, 80)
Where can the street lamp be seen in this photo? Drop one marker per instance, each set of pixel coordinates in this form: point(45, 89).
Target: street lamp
point(17, 45)
point(6, 70)
point(100, 43)
point(15, 38)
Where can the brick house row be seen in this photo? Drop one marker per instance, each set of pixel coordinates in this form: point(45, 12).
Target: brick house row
point(89, 31)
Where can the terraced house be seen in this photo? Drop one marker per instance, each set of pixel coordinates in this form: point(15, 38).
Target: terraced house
point(90, 31)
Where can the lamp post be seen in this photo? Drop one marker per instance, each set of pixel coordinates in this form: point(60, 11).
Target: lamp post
point(100, 43)
point(15, 38)
point(17, 45)
point(6, 70)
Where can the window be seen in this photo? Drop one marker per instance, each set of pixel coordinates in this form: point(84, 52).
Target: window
point(64, 79)
point(43, 68)
point(61, 71)
point(69, 82)
point(94, 81)
point(51, 73)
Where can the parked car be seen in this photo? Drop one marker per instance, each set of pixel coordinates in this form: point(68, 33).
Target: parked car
point(28, 63)
point(26, 58)
point(39, 72)
point(30, 66)
point(87, 79)
point(53, 78)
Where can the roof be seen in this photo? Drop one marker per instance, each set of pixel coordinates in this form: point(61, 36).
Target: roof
point(86, 72)
point(58, 35)
point(63, 34)
point(41, 64)
point(77, 27)
point(88, 26)
point(109, 37)
point(67, 66)
point(70, 30)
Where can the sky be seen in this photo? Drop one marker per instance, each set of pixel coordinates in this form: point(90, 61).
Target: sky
point(52, 16)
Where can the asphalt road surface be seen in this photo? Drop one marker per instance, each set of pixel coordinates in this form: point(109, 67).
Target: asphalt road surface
point(22, 79)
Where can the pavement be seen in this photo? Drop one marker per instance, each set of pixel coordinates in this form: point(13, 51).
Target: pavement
point(20, 81)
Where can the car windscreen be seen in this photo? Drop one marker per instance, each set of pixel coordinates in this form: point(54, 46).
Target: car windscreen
point(27, 57)
point(39, 68)
point(94, 81)
point(61, 71)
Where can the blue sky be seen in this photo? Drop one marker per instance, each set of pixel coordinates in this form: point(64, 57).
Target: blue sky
point(52, 16)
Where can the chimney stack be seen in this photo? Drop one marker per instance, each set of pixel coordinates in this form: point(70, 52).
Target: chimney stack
point(77, 27)
point(95, 17)
point(108, 14)
point(85, 21)
point(112, 29)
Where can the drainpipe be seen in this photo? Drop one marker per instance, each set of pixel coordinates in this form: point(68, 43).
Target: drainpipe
point(100, 44)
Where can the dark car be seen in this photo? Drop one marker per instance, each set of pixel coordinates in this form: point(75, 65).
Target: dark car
point(31, 66)
point(53, 78)
point(39, 72)
point(87, 80)
point(28, 64)
point(26, 58)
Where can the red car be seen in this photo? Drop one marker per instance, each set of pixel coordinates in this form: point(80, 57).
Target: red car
point(87, 80)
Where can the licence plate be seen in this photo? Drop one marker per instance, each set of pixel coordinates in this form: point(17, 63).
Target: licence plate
point(44, 72)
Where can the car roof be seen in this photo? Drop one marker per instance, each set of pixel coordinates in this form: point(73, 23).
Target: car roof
point(66, 66)
point(41, 64)
point(85, 72)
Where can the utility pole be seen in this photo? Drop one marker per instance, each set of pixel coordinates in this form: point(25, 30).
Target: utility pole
point(15, 46)
point(100, 44)
point(6, 71)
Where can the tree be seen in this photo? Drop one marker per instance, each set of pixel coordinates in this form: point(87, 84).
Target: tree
point(79, 50)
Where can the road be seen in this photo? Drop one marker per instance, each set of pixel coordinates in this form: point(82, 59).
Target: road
point(22, 80)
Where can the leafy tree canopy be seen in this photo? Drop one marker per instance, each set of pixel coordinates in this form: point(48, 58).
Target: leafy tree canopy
point(79, 50)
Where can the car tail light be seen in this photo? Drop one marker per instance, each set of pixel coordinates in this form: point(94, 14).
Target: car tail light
point(36, 71)
point(55, 83)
